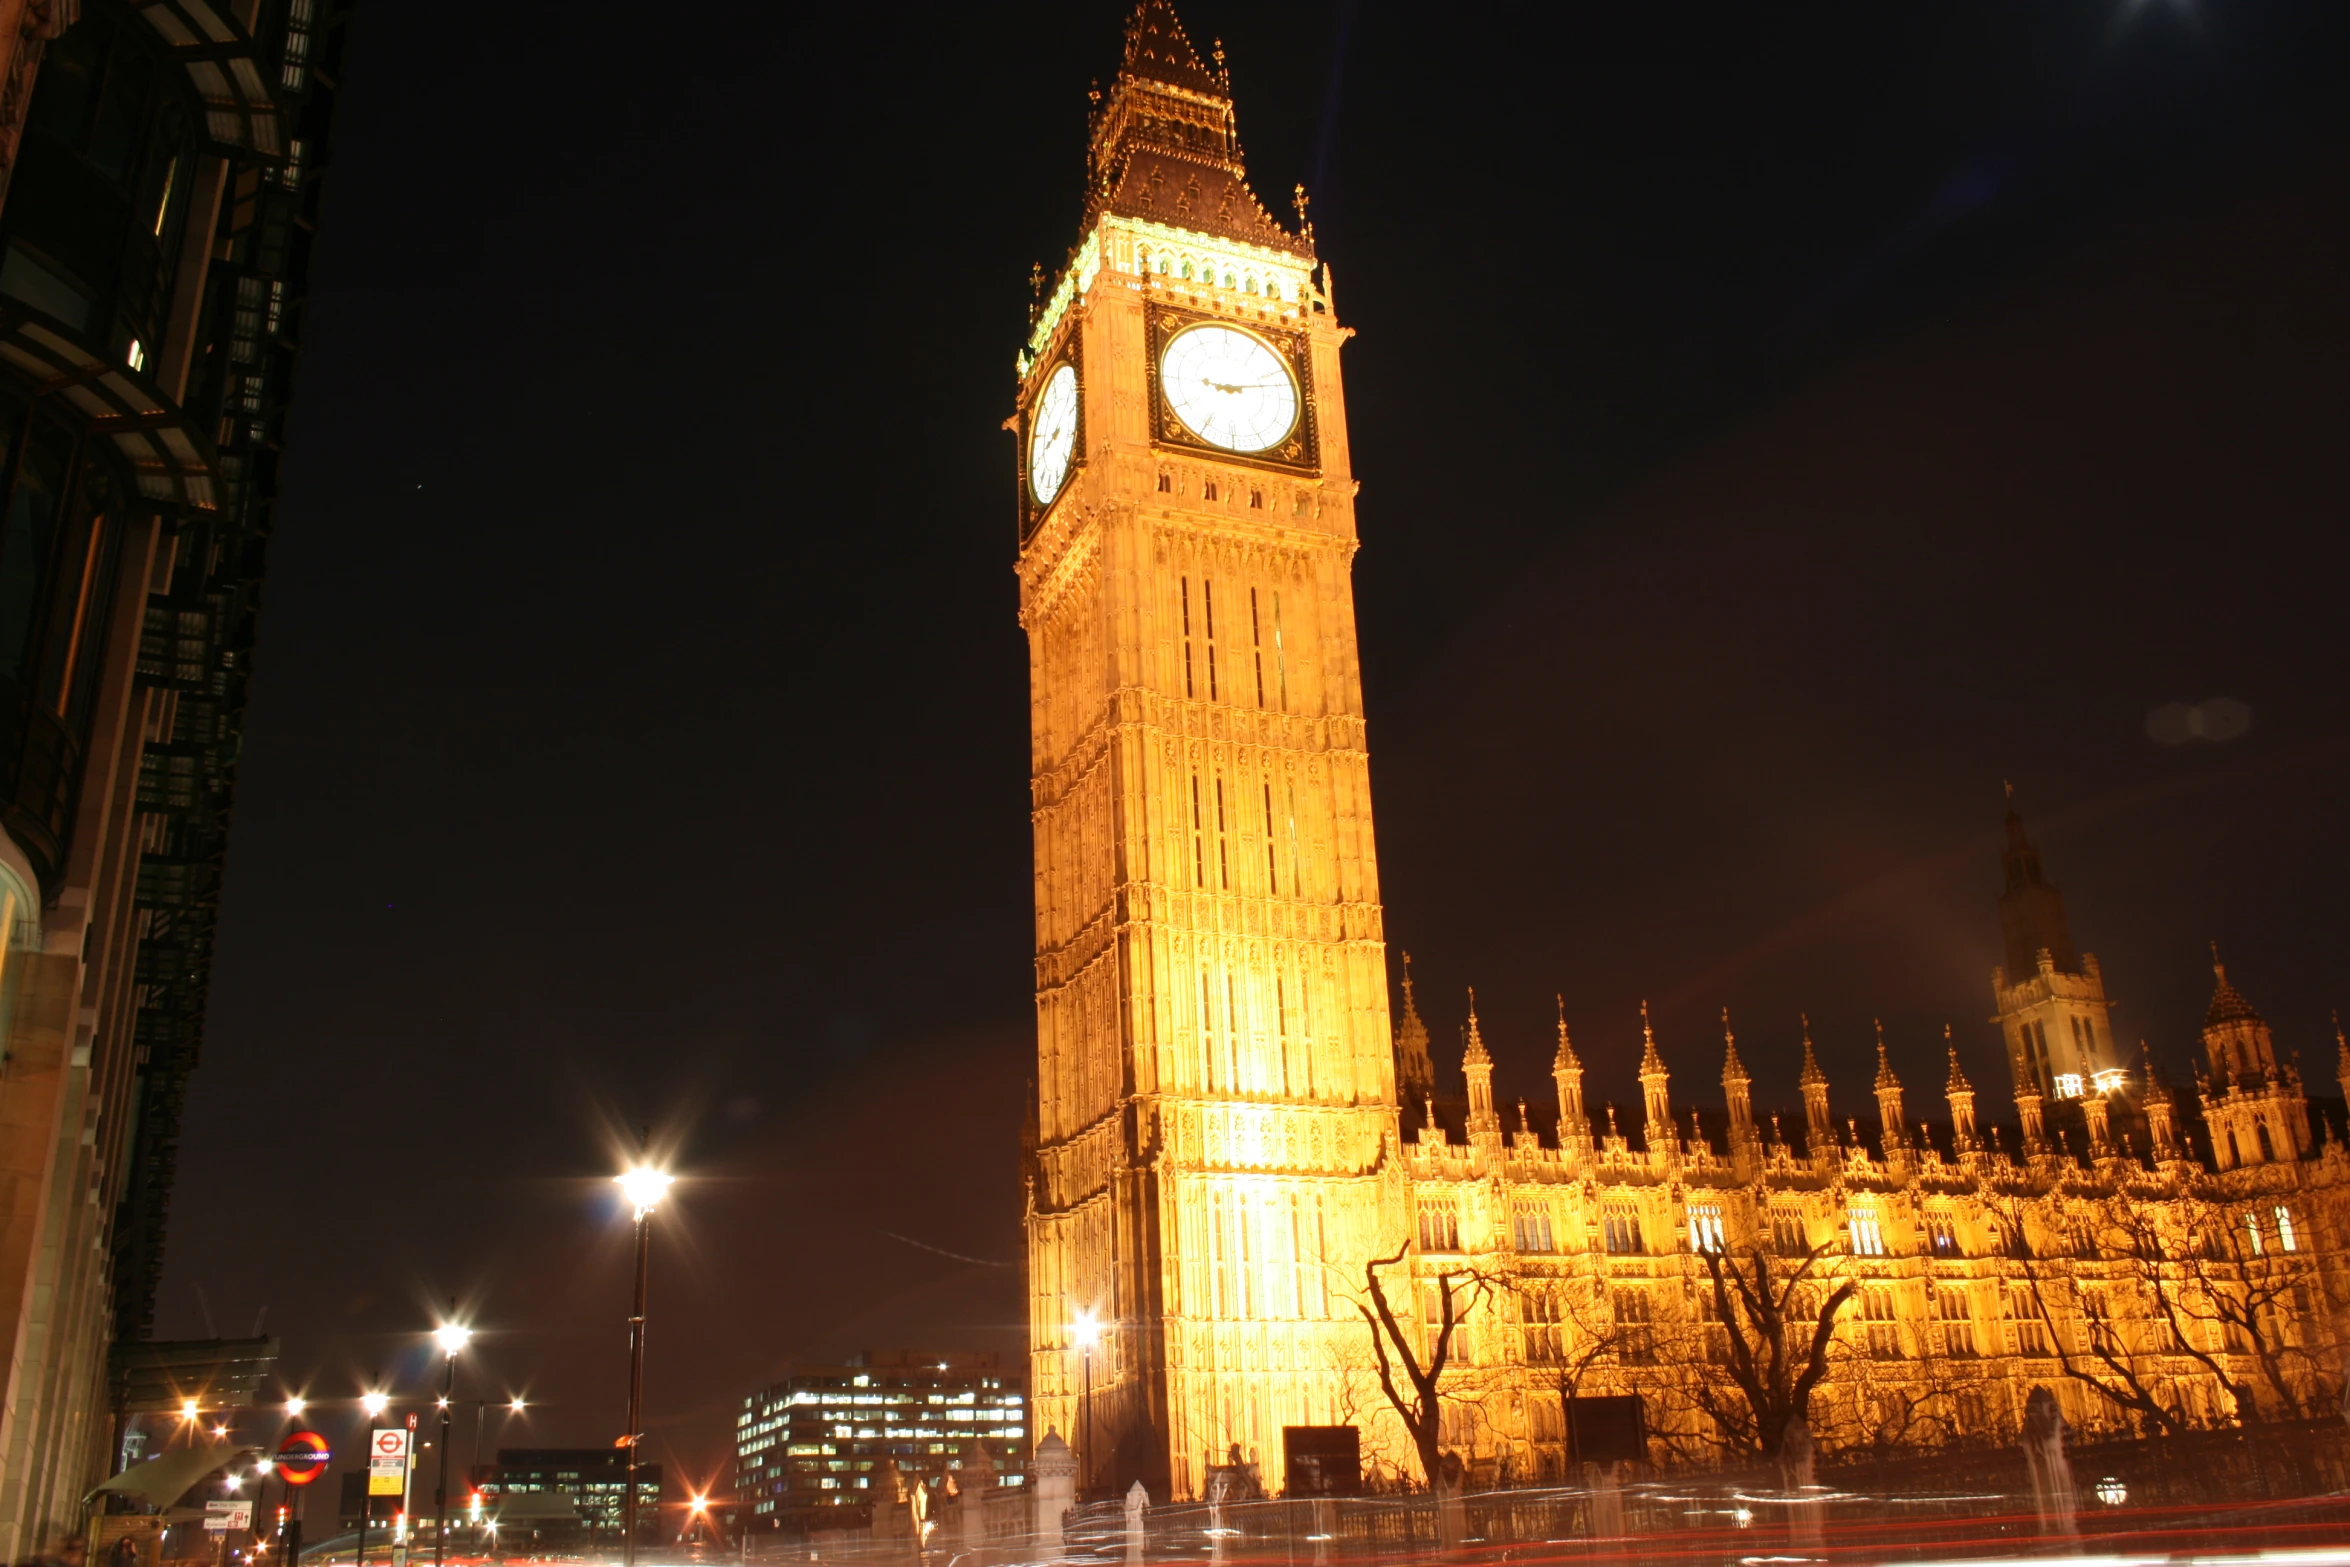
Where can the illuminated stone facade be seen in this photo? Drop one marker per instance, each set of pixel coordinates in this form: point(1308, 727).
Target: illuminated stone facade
point(2158, 1259)
point(1215, 1107)
point(1219, 1147)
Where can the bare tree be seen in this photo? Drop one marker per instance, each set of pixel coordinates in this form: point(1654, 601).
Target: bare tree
point(1774, 1358)
point(2249, 1276)
point(2096, 1356)
point(1419, 1401)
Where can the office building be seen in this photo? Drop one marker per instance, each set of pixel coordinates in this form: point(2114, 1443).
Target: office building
point(594, 1478)
point(812, 1451)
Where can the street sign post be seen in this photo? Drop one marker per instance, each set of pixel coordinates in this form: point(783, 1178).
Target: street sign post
point(387, 1461)
point(302, 1457)
point(221, 1517)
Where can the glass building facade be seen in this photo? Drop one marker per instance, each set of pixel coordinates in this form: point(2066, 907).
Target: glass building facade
point(595, 1478)
point(810, 1450)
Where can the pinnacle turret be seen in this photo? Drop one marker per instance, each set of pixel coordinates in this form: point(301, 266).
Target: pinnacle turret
point(1415, 1070)
point(1733, 1069)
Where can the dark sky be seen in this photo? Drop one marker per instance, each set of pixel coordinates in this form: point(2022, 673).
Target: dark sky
point(1778, 426)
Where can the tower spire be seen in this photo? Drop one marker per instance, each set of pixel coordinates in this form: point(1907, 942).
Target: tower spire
point(1415, 1069)
point(1166, 144)
point(2031, 910)
point(1961, 1095)
point(1891, 1121)
point(1654, 1091)
point(1566, 1069)
point(1819, 1126)
point(1477, 1067)
point(1738, 1097)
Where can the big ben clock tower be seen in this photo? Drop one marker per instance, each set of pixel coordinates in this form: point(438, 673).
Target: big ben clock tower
point(1214, 1156)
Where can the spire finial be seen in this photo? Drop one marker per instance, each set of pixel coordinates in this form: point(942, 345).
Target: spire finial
point(2217, 967)
point(1523, 1125)
point(2010, 788)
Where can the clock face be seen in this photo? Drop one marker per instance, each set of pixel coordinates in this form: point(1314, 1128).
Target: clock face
point(1229, 388)
point(1052, 435)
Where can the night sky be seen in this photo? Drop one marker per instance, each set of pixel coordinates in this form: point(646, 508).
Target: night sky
point(1778, 427)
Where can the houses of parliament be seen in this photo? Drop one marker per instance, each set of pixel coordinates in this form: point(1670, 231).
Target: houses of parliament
point(1236, 1141)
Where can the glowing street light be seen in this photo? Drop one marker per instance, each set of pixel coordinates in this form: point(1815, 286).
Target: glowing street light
point(295, 1406)
point(644, 1186)
point(452, 1338)
point(1087, 1330)
point(188, 1410)
point(374, 1403)
point(518, 1406)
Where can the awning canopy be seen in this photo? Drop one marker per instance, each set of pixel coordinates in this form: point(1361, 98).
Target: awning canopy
point(169, 460)
point(239, 111)
point(165, 1478)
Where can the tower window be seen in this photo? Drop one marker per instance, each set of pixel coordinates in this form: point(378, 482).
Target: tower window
point(1166, 482)
point(1207, 600)
point(1256, 644)
point(1272, 878)
point(1296, 879)
point(1256, 500)
point(1223, 852)
point(1280, 659)
point(1199, 870)
point(1187, 641)
point(2286, 1240)
point(1706, 1233)
point(1207, 490)
point(1207, 1032)
point(1868, 1234)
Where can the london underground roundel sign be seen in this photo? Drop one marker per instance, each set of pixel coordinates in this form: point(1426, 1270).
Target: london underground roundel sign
point(302, 1457)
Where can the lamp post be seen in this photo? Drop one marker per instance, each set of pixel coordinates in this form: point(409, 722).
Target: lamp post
point(452, 1337)
point(373, 1404)
point(1088, 1332)
point(644, 1187)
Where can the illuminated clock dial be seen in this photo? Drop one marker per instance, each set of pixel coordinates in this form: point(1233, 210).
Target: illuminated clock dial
point(1228, 388)
point(1052, 435)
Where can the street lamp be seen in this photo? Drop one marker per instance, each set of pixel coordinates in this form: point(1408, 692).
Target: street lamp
point(372, 1405)
point(452, 1337)
point(1088, 1331)
point(644, 1187)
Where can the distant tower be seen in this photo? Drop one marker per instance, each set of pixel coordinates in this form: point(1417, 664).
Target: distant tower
point(2050, 996)
point(1415, 1069)
point(2253, 1104)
